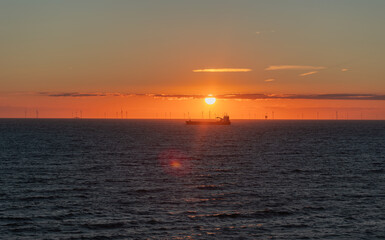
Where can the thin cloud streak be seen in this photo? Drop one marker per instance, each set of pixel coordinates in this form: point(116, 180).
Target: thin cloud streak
point(258, 96)
point(293, 67)
point(237, 96)
point(177, 96)
point(270, 80)
point(218, 70)
point(77, 94)
point(308, 73)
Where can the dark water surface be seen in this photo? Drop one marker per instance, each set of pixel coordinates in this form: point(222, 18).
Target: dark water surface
point(154, 179)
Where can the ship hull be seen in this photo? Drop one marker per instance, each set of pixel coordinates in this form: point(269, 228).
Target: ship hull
point(206, 123)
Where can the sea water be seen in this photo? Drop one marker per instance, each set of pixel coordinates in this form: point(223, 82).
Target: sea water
point(162, 179)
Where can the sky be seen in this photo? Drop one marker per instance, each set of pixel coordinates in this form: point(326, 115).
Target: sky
point(301, 59)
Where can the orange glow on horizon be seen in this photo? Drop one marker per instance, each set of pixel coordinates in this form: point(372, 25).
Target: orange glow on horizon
point(149, 107)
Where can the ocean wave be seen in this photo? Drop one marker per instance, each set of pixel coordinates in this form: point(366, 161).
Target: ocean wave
point(105, 225)
point(149, 190)
point(41, 197)
point(209, 187)
point(256, 214)
point(381, 170)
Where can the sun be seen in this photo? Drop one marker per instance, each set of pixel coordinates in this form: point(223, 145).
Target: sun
point(210, 100)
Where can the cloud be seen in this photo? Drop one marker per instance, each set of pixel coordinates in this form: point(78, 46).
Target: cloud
point(270, 80)
point(235, 96)
point(178, 96)
point(293, 67)
point(215, 70)
point(344, 96)
point(257, 96)
point(344, 70)
point(72, 94)
point(77, 94)
point(308, 73)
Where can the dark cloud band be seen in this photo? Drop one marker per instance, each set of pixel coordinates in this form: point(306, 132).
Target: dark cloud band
point(343, 96)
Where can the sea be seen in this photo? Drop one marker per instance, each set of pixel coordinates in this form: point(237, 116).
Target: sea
point(162, 179)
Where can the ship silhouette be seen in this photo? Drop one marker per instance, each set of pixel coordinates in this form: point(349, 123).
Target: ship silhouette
point(221, 121)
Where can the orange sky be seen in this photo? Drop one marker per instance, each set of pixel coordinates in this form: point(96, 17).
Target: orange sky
point(179, 108)
point(63, 57)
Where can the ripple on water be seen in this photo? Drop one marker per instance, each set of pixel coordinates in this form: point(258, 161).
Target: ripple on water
point(130, 179)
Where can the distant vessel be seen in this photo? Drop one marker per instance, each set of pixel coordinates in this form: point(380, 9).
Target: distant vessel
point(221, 121)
